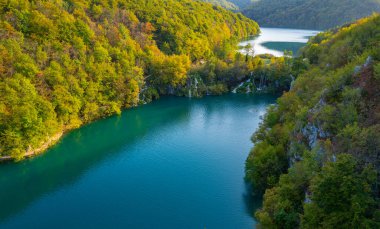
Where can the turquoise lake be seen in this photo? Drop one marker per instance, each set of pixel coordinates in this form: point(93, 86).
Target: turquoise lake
point(174, 163)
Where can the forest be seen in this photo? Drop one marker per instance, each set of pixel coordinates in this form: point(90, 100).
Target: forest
point(309, 14)
point(223, 3)
point(65, 63)
point(316, 154)
point(231, 4)
point(303, 14)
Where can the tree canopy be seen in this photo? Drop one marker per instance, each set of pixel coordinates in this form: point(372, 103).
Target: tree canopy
point(64, 63)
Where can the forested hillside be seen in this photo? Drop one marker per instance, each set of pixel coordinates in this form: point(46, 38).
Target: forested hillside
point(241, 3)
point(309, 14)
point(230, 4)
point(223, 3)
point(316, 155)
point(64, 63)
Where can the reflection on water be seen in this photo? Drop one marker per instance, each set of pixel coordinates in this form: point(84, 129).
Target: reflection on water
point(175, 163)
point(274, 41)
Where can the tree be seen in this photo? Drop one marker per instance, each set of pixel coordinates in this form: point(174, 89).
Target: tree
point(342, 196)
point(170, 70)
point(265, 165)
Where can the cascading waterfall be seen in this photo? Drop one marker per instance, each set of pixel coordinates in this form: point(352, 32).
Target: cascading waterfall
point(248, 88)
point(253, 81)
point(292, 82)
point(261, 83)
point(235, 89)
point(191, 86)
point(241, 85)
point(142, 94)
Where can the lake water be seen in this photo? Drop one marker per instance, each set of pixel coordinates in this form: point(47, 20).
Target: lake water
point(174, 163)
point(275, 41)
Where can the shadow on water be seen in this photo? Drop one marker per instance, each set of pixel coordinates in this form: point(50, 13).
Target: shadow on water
point(252, 201)
point(79, 151)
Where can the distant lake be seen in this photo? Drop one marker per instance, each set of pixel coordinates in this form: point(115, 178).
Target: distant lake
point(275, 41)
point(174, 163)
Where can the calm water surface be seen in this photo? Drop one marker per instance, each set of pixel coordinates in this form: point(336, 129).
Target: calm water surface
point(174, 163)
point(275, 41)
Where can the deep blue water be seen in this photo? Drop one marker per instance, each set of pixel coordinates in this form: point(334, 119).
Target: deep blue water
point(174, 163)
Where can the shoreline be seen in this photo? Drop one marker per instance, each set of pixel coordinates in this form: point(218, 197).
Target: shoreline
point(52, 140)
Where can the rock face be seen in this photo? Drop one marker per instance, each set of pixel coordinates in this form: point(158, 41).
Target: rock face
point(307, 199)
point(366, 64)
point(311, 134)
point(313, 131)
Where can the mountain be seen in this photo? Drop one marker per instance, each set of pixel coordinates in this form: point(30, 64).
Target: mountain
point(316, 154)
point(230, 4)
point(309, 14)
point(241, 3)
point(65, 63)
point(223, 3)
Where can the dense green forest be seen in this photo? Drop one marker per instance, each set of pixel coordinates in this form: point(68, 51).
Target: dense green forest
point(302, 14)
point(223, 3)
point(316, 154)
point(64, 63)
point(309, 14)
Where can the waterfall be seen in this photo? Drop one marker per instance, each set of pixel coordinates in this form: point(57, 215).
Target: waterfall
point(292, 83)
point(248, 90)
point(253, 81)
point(192, 84)
point(189, 84)
point(142, 94)
point(235, 89)
point(261, 83)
